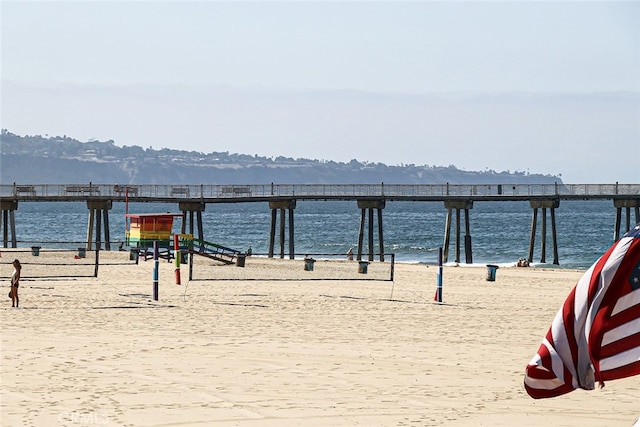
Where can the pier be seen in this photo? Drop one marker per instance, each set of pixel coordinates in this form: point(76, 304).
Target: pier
point(281, 198)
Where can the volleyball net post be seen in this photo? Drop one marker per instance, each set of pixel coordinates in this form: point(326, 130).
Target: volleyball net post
point(177, 256)
point(156, 269)
point(438, 296)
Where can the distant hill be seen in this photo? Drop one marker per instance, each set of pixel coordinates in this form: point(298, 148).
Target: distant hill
point(34, 159)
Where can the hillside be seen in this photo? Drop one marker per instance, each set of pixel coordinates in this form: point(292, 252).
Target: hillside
point(61, 159)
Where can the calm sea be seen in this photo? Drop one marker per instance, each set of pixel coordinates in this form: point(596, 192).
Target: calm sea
point(412, 230)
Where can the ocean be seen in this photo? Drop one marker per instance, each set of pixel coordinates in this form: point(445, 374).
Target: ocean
point(413, 231)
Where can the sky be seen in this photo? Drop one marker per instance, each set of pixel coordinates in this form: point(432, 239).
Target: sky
point(538, 87)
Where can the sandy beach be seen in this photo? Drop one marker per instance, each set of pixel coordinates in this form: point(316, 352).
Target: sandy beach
point(233, 349)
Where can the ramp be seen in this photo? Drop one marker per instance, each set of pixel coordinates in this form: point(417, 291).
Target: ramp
point(213, 251)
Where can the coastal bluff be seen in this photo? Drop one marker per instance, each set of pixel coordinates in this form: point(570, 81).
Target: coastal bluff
point(62, 159)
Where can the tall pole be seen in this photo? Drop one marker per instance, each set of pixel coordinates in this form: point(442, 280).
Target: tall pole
point(291, 235)
point(126, 210)
point(92, 214)
point(380, 235)
point(156, 267)
point(97, 263)
point(107, 234)
point(363, 214)
point(281, 232)
point(370, 235)
point(438, 297)
point(532, 236)
point(467, 239)
point(272, 233)
point(543, 256)
point(458, 235)
point(98, 228)
point(554, 237)
point(178, 255)
point(447, 235)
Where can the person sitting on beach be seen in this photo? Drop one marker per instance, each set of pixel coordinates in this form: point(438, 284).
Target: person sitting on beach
point(249, 251)
point(15, 282)
point(523, 263)
point(350, 254)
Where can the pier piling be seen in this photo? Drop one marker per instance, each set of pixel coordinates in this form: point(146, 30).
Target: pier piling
point(98, 215)
point(458, 205)
point(9, 208)
point(366, 207)
point(282, 206)
point(551, 204)
point(627, 204)
point(188, 209)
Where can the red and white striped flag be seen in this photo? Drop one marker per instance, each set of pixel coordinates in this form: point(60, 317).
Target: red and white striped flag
point(596, 334)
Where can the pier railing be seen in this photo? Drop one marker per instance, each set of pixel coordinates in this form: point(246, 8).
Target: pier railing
point(52, 192)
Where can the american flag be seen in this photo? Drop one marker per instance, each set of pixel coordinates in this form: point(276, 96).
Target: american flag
point(596, 334)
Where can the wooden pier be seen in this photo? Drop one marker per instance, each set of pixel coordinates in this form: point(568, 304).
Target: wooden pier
point(281, 198)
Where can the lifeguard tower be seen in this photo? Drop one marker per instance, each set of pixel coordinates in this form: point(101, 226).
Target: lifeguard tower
point(144, 229)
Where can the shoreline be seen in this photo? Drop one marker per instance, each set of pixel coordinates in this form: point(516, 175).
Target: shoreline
point(26, 253)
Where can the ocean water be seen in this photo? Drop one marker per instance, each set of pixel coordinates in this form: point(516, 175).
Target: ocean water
point(413, 231)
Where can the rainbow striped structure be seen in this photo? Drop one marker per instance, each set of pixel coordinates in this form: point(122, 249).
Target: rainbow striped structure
point(144, 229)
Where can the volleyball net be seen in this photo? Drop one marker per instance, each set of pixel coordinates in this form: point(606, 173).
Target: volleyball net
point(303, 267)
point(55, 260)
point(72, 260)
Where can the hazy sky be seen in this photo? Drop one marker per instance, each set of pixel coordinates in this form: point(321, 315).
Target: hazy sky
point(544, 87)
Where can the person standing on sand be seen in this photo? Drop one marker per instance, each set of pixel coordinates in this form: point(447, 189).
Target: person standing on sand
point(15, 282)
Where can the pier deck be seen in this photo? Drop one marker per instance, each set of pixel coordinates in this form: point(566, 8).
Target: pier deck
point(228, 193)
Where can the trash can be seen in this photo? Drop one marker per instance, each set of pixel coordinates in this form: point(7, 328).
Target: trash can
point(362, 267)
point(133, 254)
point(82, 252)
point(491, 272)
point(184, 257)
point(240, 260)
point(35, 250)
point(308, 264)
